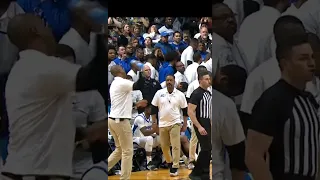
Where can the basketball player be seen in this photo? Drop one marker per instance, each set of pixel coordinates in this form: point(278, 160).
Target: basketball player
point(39, 104)
point(169, 101)
point(119, 120)
point(145, 136)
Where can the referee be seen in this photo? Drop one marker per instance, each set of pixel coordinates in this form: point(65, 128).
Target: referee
point(200, 113)
point(284, 119)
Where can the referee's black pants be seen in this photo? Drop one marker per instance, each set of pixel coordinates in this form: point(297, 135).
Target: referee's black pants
point(202, 166)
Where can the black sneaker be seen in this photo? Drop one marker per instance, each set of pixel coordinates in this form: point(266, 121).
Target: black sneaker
point(174, 172)
point(152, 166)
point(164, 165)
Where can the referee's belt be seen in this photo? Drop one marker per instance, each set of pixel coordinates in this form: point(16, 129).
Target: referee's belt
point(120, 119)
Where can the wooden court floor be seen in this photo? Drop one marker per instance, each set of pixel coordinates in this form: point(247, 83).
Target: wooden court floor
point(161, 174)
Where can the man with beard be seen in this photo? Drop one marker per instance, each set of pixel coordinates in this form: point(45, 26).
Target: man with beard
point(169, 102)
point(224, 48)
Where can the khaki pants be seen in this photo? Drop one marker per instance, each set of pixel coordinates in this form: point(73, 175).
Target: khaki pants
point(171, 136)
point(193, 145)
point(122, 136)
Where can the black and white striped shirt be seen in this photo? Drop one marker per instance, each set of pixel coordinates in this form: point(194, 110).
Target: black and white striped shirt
point(203, 99)
point(290, 117)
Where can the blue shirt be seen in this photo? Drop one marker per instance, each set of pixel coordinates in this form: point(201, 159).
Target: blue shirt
point(165, 47)
point(203, 54)
point(164, 71)
point(55, 14)
point(125, 64)
point(179, 47)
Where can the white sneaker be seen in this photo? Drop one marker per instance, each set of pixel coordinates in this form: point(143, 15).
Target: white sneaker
point(190, 166)
point(174, 172)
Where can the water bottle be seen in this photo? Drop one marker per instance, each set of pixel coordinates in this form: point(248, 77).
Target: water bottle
point(98, 13)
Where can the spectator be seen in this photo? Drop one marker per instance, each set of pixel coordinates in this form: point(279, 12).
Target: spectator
point(177, 44)
point(168, 67)
point(54, 13)
point(164, 43)
point(187, 54)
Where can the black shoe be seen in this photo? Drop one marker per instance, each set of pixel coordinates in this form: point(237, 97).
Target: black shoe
point(174, 172)
point(193, 177)
point(152, 166)
point(164, 165)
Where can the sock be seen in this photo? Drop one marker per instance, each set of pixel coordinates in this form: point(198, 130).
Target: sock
point(163, 159)
point(149, 159)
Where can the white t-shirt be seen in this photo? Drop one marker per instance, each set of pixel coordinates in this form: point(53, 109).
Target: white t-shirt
point(178, 79)
point(88, 107)
point(98, 171)
point(226, 130)
point(249, 38)
point(135, 76)
point(261, 79)
point(39, 106)
point(139, 122)
point(136, 96)
point(191, 72)
point(83, 51)
point(121, 98)
point(187, 55)
point(169, 106)
point(192, 86)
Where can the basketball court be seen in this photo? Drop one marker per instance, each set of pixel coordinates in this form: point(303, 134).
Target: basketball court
point(162, 174)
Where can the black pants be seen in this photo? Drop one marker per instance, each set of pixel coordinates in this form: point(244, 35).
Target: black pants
point(202, 167)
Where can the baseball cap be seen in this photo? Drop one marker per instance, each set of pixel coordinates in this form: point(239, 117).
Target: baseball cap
point(163, 34)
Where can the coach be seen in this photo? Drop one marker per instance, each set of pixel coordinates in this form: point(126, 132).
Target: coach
point(119, 120)
point(169, 102)
point(38, 98)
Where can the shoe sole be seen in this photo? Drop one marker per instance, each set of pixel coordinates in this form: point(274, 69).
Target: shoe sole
point(173, 175)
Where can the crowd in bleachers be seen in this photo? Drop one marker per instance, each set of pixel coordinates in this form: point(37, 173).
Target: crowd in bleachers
point(164, 46)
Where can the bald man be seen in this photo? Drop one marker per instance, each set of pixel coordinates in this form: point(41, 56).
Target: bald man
point(39, 103)
point(147, 85)
point(119, 120)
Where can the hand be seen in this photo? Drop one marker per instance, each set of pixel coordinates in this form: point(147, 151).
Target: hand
point(202, 131)
point(183, 128)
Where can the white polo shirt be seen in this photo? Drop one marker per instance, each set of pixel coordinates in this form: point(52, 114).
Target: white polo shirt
point(186, 55)
point(39, 105)
point(121, 98)
point(83, 51)
point(227, 130)
point(169, 106)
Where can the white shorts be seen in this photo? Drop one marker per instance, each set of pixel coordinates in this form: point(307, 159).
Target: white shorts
point(141, 141)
